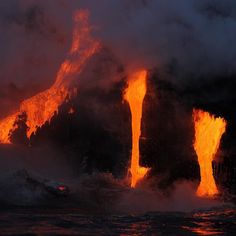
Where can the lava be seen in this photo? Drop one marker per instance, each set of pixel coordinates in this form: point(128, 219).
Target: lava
point(42, 107)
point(208, 133)
point(134, 95)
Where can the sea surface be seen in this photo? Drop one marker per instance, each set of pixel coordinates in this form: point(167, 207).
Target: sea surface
point(27, 221)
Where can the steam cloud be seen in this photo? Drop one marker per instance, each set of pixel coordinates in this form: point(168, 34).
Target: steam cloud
point(186, 40)
point(35, 37)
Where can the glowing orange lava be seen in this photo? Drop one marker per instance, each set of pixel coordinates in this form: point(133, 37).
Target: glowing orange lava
point(208, 133)
point(42, 107)
point(134, 95)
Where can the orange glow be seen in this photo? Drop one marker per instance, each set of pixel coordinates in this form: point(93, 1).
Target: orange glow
point(134, 95)
point(208, 133)
point(6, 126)
point(62, 188)
point(71, 111)
point(42, 107)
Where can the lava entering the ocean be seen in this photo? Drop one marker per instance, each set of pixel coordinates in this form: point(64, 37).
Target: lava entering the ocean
point(40, 108)
point(134, 95)
point(208, 133)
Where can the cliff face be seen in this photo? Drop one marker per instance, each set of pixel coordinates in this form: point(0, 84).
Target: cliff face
point(168, 129)
point(93, 130)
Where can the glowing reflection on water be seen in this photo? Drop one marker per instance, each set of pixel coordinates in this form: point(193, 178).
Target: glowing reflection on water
point(72, 222)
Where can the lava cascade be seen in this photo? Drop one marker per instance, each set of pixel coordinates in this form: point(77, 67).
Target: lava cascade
point(42, 107)
point(134, 95)
point(208, 133)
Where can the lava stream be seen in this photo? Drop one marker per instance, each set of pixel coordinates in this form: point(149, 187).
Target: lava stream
point(208, 133)
point(41, 107)
point(134, 95)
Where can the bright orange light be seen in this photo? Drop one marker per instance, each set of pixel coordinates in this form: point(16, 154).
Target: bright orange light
point(71, 111)
point(42, 107)
point(134, 95)
point(208, 133)
point(6, 126)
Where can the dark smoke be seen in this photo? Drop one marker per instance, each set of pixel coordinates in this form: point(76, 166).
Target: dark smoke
point(191, 39)
point(195, 37)
point(35, 36)
point(188, 41)
point(188, 45)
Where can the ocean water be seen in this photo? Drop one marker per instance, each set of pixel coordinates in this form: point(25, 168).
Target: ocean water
point(43, 221)
point(101, 205)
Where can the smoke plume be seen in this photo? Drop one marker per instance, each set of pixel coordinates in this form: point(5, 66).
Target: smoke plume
point(187, 41)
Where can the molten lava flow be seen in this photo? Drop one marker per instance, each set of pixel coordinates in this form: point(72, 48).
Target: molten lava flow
point(41, 107)
point(71, 111)
point(6, 126)
point(134, 95)
point(208, 133)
